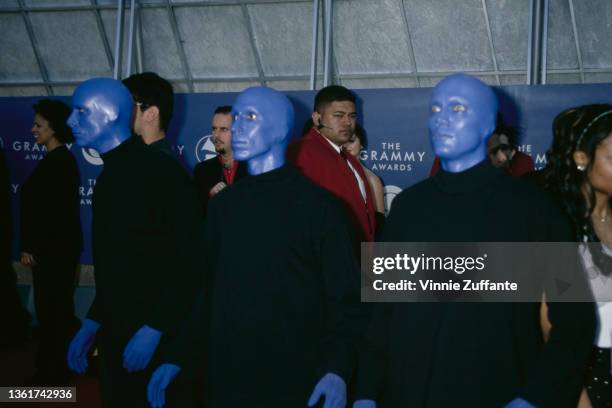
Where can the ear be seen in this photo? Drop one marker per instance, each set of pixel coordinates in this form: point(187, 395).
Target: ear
point(580, 158)
point(152, 114)
point(316, 118)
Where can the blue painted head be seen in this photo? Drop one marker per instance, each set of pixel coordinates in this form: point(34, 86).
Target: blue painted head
point(101, 114)
point(462, 117)
point(263, 118)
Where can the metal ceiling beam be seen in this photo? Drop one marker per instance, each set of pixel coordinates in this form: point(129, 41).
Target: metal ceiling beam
point(327, 20)
point(131, 33)
point(490, 36)
point(100, 24)
point(315, 45)
point(576, 39)
point(145, 5)
point(536, 46)
point(119, 40)
point(41, 64)
point(307, 77)
point(247, 17)
point(413, 66)
point(139, 43)
point(179, 45)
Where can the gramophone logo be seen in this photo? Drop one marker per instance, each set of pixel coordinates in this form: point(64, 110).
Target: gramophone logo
point(205, 149)
point(92, 156)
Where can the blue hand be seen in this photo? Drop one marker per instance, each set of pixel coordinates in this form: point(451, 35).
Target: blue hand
point(140, 349)
point(334, 389)
point(364, 404)
point(80, 345)
point(161, 378)
point(519, 403)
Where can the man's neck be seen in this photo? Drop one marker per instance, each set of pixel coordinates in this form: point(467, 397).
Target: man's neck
point(228, 158)
point(153, 136)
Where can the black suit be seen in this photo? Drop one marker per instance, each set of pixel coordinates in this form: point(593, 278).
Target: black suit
point(210, 172)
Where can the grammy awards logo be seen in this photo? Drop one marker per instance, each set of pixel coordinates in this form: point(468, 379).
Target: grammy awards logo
point(92, 156)
point(205, 149)
point(390, 193)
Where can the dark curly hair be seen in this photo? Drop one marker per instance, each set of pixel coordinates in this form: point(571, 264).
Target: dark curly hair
point(577, 129)
point(56, 113)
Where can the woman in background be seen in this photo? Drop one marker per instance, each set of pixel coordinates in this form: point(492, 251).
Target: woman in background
point(51, 239)
point(580, 175)
point(354, 147)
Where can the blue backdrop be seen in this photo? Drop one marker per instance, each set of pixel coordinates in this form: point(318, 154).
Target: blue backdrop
point(395, 121)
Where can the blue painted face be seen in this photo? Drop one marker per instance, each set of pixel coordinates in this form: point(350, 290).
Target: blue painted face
point(462, 117)
point(262, 119)
point(101, 113)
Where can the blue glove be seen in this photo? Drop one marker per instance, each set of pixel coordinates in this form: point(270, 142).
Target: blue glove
point(140, 349)
point(80, 345)
point(161, 378)
point(364, 404)
point(334, 389)
point(519, 403)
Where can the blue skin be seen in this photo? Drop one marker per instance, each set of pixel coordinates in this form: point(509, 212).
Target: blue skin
point(100, 119)
point(101, 114)
point(462, 118)
point(263, 119)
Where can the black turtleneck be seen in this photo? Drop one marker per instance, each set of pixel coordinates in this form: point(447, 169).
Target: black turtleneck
point(283, 293)
point(147, 230)
point(436, 355)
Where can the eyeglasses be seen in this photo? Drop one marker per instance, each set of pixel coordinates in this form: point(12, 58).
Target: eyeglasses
point(143, 106)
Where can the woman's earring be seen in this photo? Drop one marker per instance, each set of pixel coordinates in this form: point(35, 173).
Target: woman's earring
point(581, 167)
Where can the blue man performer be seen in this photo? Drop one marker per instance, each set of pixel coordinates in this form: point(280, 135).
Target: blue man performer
point(280, 314)
point(478, 355)
point(147, 231)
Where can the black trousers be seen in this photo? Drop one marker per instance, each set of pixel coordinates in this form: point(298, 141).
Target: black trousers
point(54, 283)
point(15, 319)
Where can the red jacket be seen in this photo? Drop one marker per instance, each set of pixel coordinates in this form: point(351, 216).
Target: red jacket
point(316, 159)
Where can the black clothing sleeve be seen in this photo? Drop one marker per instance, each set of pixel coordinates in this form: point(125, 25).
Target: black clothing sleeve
point(50, 221)
point(345, 314)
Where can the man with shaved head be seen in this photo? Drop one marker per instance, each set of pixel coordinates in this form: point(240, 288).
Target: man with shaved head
point(477, 355)
point(280, 326)
point(146, 234)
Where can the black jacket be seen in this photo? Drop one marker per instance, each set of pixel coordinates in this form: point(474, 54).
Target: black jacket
point(210, 172)
point(50, 220)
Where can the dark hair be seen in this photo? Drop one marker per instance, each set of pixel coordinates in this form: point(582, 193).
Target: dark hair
point(332, 93)
point(511, 132)
point(225, 110)
point(307, 126)
point(150, 89)
point(577, 129)
point(56, 113)
point(361, 135)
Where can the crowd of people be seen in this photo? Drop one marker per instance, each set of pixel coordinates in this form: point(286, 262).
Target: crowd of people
point(243, 281)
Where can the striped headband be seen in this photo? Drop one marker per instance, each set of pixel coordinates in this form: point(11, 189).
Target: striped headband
point(591, 123)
